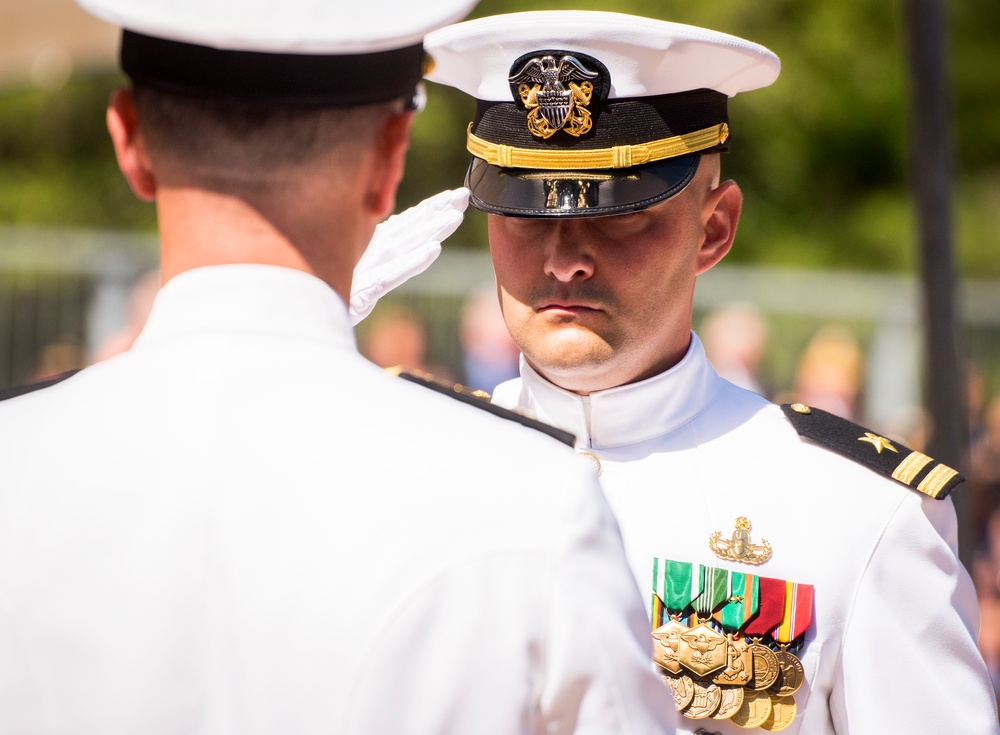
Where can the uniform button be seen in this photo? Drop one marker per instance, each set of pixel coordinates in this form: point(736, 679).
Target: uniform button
point(591, 458)
point(801, 408)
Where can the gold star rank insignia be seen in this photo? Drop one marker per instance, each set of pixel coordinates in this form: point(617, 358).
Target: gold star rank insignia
point(879, 442)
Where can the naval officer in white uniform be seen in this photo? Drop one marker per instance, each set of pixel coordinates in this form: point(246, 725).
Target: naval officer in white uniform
point(240, 526)
point(595, 153)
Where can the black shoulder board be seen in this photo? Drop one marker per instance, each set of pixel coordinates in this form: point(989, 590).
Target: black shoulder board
point(481, 399)
point(889, 458)
point(20, 390)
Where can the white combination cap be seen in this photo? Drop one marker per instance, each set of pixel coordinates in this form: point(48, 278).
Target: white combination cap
point(295, 52)
point(591, 113)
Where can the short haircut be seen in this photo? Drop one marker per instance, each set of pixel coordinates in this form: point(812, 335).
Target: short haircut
point(236, 141)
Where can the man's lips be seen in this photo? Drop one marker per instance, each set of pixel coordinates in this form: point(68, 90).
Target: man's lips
point(569, 308)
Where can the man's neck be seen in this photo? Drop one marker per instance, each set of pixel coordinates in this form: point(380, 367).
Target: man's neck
point(199, 227)
point(584, 381)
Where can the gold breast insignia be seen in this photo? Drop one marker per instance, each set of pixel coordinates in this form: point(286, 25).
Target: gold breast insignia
point(739, 547)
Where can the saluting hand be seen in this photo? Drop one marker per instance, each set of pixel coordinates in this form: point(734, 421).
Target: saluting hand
point(403, 246)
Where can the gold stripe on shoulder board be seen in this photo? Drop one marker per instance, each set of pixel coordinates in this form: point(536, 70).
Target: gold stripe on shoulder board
point(936, 480)
point(910, 467)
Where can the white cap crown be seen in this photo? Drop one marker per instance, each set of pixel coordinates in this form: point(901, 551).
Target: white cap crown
point(645, 57)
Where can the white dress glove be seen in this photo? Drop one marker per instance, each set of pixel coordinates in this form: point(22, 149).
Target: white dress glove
point(403, 246)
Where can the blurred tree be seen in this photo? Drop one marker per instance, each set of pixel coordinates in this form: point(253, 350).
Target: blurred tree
point(57, 167)
point(820, 155)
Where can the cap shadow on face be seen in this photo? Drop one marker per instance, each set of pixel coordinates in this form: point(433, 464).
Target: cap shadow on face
point(598, 302)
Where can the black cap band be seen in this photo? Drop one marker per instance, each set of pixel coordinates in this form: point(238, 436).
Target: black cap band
point(628, 121)
point(252, 77)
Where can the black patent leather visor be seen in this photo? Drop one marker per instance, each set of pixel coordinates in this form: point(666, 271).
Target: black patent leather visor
point(529, 193)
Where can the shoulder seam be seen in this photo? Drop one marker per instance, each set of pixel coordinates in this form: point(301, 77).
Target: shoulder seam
point(481, 400)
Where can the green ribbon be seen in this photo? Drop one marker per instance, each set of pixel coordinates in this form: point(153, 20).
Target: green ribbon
point(744, 601)
point(677, 583)
point(716, 592)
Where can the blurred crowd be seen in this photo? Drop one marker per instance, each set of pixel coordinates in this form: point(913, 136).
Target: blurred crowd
point(829, 374)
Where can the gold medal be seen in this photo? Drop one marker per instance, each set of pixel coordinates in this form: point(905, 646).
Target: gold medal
point(681, 687)
point(705, 701)
point(791, 677)
point(666, 642)
point(732, 700)
point(765, 666)
point(756, 708)
point(783, 711)
point(703, 649)
point(739, 665)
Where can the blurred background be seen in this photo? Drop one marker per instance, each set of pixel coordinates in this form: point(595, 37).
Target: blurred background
point(821, 299)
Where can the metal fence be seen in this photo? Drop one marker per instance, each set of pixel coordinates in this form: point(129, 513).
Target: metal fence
point(66, 290)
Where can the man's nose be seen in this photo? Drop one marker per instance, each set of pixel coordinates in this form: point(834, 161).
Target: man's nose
point(567, 258)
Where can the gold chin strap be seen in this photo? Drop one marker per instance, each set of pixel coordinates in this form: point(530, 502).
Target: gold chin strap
point(619, 156)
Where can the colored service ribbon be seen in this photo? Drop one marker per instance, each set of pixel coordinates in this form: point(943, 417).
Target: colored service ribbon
point(771, 609)
point(743, 602)
point(656, 613)
point(796, 612)
point(715, 593)
point(677, 583)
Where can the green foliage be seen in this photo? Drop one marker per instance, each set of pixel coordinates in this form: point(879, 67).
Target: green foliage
point(57, 167)
point(822, 155)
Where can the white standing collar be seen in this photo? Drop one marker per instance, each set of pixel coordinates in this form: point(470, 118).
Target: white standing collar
point(257, 299)
point(626, 414)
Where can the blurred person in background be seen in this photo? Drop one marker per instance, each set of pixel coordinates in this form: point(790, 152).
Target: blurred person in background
point(975, 398)
point(62, 355)
point(489, 355)
point(396, 336)
point(830, 372)
point(735, 338)
point(984, 468)
point(986, 573)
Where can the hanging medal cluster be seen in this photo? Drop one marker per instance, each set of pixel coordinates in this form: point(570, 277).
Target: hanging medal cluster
point(725, 642)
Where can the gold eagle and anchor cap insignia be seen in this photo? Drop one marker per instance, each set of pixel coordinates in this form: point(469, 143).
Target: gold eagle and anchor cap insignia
point(589, 113)
point(888, 458)
point(555, 89)
point(738, 547)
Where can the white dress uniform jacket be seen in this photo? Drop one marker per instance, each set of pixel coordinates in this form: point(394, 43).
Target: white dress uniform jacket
point(892, 644)
point(241, 526)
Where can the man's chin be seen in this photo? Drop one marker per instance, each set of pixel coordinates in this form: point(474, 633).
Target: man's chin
point(568, 356)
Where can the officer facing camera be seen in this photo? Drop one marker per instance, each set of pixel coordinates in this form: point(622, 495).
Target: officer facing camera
point(802, 570)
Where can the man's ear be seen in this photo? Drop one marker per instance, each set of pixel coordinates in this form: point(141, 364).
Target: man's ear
point(130, 146)
point(720, 213)
point(391, 142)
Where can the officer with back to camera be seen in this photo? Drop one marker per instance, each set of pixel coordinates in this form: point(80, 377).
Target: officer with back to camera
point(791, 589)
point(241, 526)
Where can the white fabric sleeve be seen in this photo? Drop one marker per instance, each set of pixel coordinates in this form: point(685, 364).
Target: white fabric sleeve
point(910, 661)
point(598, 676)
